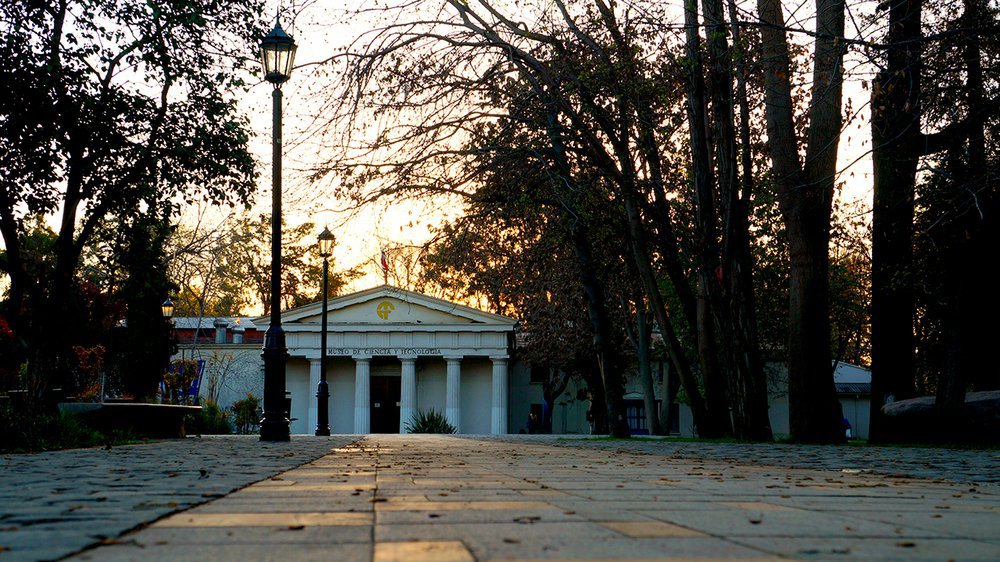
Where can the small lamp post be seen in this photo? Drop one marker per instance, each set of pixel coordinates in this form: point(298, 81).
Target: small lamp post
point(325, 244)
point(167, 310)
point(277, 53)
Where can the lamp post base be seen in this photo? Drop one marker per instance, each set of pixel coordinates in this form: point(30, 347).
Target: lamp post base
point(322, 399)
point(274, 431)
point(275, 423)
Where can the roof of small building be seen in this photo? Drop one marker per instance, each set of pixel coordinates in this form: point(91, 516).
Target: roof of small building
point(854, 387)
point(208, 322)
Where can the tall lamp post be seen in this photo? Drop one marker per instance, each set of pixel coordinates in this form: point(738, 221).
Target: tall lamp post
point(326, 241)
point(277, 52)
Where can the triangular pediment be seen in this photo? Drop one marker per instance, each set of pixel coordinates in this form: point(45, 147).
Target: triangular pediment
point(391, 306)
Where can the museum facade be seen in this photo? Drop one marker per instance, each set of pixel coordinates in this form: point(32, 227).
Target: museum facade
point(390, 353)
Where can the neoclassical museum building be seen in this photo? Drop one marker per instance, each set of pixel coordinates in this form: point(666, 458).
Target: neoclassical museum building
point(390, 352)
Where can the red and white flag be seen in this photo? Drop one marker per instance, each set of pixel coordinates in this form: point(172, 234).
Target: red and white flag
point(385, 263)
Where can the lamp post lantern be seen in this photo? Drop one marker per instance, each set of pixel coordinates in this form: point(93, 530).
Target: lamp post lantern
point(167, 309)
point(277, 53)
point(326, 242)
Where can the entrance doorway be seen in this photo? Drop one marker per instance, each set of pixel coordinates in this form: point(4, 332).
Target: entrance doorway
point(385, 394)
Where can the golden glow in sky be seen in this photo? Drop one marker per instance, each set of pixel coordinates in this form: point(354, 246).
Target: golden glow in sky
point(320, 31)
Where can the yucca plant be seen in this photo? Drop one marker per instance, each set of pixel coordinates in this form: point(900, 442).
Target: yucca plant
point(431, 421)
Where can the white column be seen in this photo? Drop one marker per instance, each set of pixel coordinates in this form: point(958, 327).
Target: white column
point(407, 392)
point(453, 393)
point(362, 395)
point(313, 402)
point(499, 421)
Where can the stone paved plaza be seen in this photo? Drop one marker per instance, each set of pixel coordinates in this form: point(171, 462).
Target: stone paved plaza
point(442, 498)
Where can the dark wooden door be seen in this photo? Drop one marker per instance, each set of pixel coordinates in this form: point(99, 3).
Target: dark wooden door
point(385, 393)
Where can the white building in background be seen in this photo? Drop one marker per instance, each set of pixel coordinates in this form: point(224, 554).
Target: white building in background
point(392, 352)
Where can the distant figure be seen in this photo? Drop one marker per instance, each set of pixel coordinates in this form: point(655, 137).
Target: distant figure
point(532, 423)
point(847, 428)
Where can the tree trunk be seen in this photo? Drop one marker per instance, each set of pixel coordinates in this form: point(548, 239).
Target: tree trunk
point(598, 401)
point(609, 362)
point(665, 236)
point(966, 350)
point(895, 135)
point(670, 388)
point(805, 193)
point(733, 305)
point(814, 415)
point(707, 242)
point(643, 340)
point(14, 266)
point(551, 390)
point(979, 301)
point(705, 420)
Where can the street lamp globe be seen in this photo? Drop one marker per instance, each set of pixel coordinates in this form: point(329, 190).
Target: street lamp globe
point(167, 309)
point(277, 53)
point(326, 242)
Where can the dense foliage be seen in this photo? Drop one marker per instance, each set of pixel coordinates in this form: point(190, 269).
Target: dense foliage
point(115, 113)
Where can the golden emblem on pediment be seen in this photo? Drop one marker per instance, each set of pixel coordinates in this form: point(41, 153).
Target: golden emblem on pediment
point(384, 309)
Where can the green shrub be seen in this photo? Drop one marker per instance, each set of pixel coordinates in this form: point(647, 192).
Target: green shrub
point(430, 422)
point(245, 416)
point(211, 420)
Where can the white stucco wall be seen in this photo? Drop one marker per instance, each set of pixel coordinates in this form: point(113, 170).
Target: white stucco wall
point(297, 384)
point(431, 384)
point(340, 377)
point(231, 371)
point(476, 399)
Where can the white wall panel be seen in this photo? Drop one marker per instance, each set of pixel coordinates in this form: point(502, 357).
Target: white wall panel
point(477, 382)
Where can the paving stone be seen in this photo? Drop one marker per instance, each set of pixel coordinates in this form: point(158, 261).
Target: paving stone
point(844, 549)
point(463, 506)
point(758, 506)
point(788, 524)
point(285, 534)
point(199, 519)
point(650, 529)
point(422, 551)
point(245, 505)
point(476, 516)
point(505, 532)
point(966, 524)
point(622, 548)
point(302, 552)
